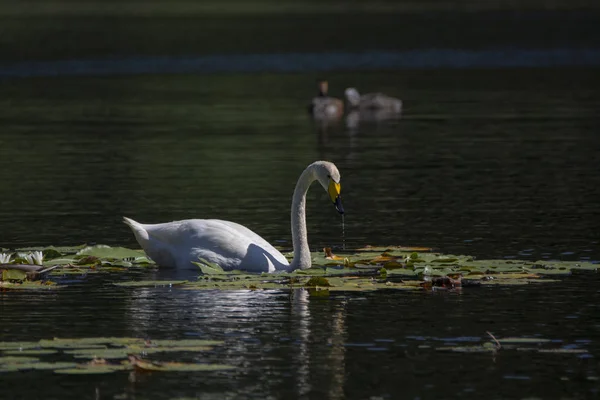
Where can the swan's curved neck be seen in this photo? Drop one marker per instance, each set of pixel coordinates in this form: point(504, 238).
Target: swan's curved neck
point(299, 239)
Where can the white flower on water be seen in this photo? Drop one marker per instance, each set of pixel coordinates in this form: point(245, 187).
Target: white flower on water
point(5, 258)
point(35, 257)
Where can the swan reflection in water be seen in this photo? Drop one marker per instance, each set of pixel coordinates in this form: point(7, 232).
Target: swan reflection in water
point(355, 118)
point(269, 335)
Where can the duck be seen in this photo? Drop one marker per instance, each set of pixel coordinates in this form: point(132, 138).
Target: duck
point(372, 101)
point(325, 107)
point(233, 246)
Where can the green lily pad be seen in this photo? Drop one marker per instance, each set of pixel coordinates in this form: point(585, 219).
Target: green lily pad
point(187, 349)
point(34, 352)
point(184, 367)
point(26, 285)
point(209, 268)
point(51, 253)
point(185, 343)
point(19, 345)
point(107, 252)
point(108, 354)
point(12, 275)
point(36, 366)
point(89, 343)
point(59, 261)
point(317, 281)
point(10, 360)
point(92, 369)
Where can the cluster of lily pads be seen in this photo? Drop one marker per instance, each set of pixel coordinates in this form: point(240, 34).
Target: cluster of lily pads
point(102, 355)
point(365, 269)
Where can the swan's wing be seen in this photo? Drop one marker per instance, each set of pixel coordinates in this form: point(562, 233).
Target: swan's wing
point(380, 101)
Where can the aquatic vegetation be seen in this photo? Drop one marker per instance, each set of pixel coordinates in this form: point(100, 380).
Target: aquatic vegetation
point(364, 269)
point(106, 355)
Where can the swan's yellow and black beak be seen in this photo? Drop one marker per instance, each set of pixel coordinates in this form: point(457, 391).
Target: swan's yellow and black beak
point(334, 193)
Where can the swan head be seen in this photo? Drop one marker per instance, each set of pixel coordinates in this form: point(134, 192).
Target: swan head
point(352, 96)
point(329, 177)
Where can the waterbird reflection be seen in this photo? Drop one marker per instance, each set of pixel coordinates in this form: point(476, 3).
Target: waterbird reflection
point(244, 319)
point(355, 118)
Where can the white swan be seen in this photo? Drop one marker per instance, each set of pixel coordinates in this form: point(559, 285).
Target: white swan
point(233, 246)
point(372, 101)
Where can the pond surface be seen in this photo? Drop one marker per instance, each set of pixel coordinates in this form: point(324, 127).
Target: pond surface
point(496, 163)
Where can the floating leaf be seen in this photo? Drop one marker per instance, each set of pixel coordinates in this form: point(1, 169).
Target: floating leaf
point(91, 369)
point(107, 252)
point(144, 365)
point(36, 285)
point(317, 281)
point(19, 345)
point(12, 275)
point(34, 352)
point(17, 360)
point(113, 354)
point(89, 343)
point(185, 343)
point(36, 366)
point(51, 253)
point(209, 268)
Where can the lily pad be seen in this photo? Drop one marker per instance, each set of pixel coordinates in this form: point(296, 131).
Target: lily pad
point(19, 345)
point(10, 360)
point(89, 343)
point(91, 369)
point(36, 285)
point(34, 352)
point(107, 354)
point(180, 367)
point(36, 366)
point(209, 268)
point(185, 343)
point(12, 275)
point(107, 252)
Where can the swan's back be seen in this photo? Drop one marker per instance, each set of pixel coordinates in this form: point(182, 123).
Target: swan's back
point(230, 245)
point(380, 101)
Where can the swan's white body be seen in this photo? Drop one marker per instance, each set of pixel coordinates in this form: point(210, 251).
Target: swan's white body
point(233, 246)
point(372, 101)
